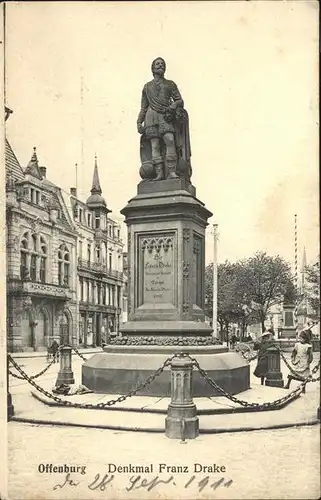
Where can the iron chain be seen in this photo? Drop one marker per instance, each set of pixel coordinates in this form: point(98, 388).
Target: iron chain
point(33, 377)
point(314, 370)
point(107, 404)
point(246, 404)
point(79, 353)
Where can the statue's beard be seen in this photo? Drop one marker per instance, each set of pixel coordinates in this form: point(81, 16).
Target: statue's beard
point(159, 72)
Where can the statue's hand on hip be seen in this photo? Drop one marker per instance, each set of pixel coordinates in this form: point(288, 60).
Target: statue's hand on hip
point(140, 128)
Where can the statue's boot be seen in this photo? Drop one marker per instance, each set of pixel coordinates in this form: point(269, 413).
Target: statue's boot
point(171, 166)
point(159, 169)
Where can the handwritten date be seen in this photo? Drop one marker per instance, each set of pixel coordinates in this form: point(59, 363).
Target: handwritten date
point(101, 482)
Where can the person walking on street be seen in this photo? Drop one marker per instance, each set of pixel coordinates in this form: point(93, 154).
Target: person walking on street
point(262, 346)
point(301, 359)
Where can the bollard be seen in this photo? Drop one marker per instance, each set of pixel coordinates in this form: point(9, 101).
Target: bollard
point(182, 420)
point(10, 407)
point(274, 377)
point(65, 374)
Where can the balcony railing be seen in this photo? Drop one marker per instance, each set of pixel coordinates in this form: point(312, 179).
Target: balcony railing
point(15, 284)
point(98, 267)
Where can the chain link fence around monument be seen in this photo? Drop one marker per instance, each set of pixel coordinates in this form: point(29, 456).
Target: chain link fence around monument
point(249, 406)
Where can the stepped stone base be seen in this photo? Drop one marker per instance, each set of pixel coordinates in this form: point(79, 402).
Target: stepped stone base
point(120, 368)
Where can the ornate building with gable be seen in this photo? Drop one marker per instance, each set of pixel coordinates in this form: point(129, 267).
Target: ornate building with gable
point(64, 261)
point(41, 265)
point(100, 266)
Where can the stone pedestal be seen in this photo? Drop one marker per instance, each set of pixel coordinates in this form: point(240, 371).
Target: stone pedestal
point(10, 407)
point(65, 374)
point(166, 257)
point(181, 421)
point(274, 376)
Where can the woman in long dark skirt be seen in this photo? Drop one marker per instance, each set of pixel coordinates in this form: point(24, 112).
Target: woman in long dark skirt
point(262, 359)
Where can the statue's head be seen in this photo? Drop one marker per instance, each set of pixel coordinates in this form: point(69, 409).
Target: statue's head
point(158, 66)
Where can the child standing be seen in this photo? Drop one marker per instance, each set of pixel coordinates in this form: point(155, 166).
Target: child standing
point(301, 359)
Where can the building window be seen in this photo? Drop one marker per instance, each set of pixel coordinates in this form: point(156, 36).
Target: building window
point(80, 249)
point(33, 267)
point(118, 233)
point(97, 253)
point(63, 265)
point(81, 281)
point(89, 252)
point(104, 294)
point(43, 260)
point(98, 293)
point(80, 215)
point(110, 232)
point(88, 299)
point(97, 220)
point(24, 272)
point(33, 259)
point(89, 219)
point(37, 197)
point(34, 242)
point(110, 260)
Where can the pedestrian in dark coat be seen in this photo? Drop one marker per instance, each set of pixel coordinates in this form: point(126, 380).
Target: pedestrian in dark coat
point(54, 348)
point(262, 346)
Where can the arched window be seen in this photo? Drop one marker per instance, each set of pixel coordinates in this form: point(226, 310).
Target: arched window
point(43, 260)
point(63, 265)
point(24, 271)
point(97, 253)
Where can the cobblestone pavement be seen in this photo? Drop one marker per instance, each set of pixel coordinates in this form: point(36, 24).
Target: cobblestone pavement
point(279, 464)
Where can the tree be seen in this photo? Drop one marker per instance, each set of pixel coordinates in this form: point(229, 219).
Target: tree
point(230, 296)
point(268, 280)
point(313, 288)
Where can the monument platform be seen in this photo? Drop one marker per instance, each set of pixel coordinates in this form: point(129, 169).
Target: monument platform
point(120, 368)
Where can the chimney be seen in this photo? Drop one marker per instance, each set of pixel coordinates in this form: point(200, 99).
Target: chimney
point(73, 192)
point(43, 171)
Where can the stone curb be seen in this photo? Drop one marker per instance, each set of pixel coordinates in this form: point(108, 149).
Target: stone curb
point(217, 411)
point(162, 430)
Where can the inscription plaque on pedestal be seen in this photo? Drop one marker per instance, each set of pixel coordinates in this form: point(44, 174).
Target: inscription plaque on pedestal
point(157, 270)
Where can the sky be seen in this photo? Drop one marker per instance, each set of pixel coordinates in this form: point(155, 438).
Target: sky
point(248, 74)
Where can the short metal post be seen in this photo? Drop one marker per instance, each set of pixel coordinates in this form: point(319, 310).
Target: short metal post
point(182, 420)
point(274, 377)
point(10, 407)
point(65, 374)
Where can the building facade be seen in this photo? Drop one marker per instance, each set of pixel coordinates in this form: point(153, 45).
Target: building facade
point(100, 276)
point(41, 265)
point(64, 261)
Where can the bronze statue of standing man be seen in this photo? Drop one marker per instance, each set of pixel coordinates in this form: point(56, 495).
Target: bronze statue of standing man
point(163, 122)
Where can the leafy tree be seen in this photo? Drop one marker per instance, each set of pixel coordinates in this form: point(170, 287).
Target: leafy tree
point(268, 281)
point(230, 295)
point(248, 288)
point(313, 288)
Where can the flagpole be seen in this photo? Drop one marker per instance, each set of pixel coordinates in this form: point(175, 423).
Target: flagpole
point(214, 321)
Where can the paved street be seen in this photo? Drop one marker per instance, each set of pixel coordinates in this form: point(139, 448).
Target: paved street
point(262, 464)
point(265, 464)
